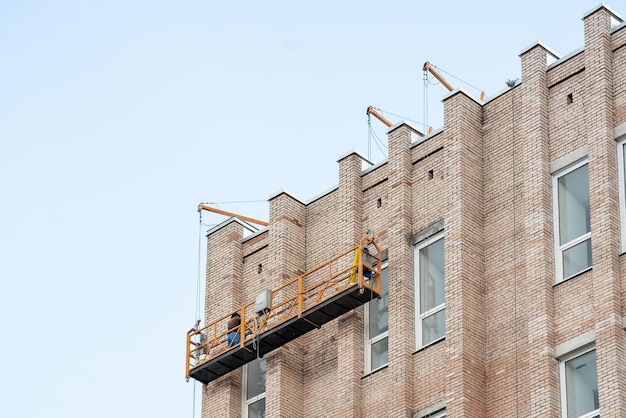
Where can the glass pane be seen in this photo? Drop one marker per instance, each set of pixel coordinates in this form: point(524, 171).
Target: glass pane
point(256, 378)
point(581, 385)
point(433, 327)
point(378, 310)
point(257, 409)
point(431, 276)
point(577, 258)
point(380, 353)
point(574, 204)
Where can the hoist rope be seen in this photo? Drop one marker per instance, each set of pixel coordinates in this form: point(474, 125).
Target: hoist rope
point(198, 299)
point(378, 142)
point(453, 76)
point(234, 201)
point(198, 281)
point(369, 137)
point(425, 98)
point(398, 116)
point(372, 134)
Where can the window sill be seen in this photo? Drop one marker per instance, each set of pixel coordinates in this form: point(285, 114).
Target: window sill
point(574, 276)
point(376, 371)
point(429, 345)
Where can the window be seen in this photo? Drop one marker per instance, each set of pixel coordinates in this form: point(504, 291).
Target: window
point(621, 164)
point(254, 389)
point(572, 223)
point(426, 413)
point(579, 385)
point(376, 330)
point(430, 314)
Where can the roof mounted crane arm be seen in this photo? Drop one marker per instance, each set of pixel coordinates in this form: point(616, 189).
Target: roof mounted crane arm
point(428, 67)
point(435, 73)
point(370, 111)
point(202, 206)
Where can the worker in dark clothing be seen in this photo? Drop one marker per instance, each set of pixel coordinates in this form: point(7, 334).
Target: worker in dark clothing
point(233, 329)
point(368, 260)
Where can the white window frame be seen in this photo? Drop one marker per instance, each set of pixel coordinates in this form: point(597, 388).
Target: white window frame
point(419, 317)
point(438, 414)
point(369, 342)
point(244, 387)
point(563, 385)
point(558, 248)
point(622, 195)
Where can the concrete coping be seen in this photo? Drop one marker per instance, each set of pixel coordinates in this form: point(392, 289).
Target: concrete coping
point(461, 90)
point(600, 6)
point(354, 151)
point(574, 344)
point(281, 191)
point(549, 50)
point(246, 226)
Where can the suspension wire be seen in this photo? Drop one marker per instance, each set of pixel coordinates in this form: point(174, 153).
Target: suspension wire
point(198, 281)
point(234, 201)
point(398, 116)
point(371, 134)
point(378, 143)
point(425, 79)
point(369, 137)
point(453, 76)
point(193, 405)
point(198, 285)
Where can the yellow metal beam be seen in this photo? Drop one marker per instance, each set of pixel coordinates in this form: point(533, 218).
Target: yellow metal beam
point(202, 206)
point(370, 111)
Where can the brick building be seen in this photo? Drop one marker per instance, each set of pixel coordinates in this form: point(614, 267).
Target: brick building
point(502, 237)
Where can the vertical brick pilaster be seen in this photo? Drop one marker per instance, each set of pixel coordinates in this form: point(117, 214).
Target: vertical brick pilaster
point(350, 326)
point(223, 294)
point(401, 296)
point(607, 293)
point(287, 260)
point(464, 264)
point(534, 321)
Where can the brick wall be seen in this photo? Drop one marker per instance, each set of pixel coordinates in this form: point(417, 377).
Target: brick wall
point(487, 178)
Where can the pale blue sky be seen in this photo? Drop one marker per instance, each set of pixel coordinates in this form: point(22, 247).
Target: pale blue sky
point(117, 118)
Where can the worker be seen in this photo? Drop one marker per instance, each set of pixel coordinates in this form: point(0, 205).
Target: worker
point(233, 329)
point(368, 261)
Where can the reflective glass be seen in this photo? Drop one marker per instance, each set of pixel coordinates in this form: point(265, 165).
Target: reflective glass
point(431, 276)
point(257, 409)
point(433, 327)
point(581, 380)
point(256, 378)
point(378, 310)
point(380, 353)
point(577, 258)
point(573, 196)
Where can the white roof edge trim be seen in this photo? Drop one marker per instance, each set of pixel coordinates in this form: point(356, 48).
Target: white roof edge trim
point(544, 46)
point(599, 6)
point(243, 223)
point(273, 195)
point(354, 151)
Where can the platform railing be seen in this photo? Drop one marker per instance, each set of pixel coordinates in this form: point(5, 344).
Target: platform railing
point(289, 300)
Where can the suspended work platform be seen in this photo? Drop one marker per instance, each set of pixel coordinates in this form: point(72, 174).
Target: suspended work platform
point(300, 305)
